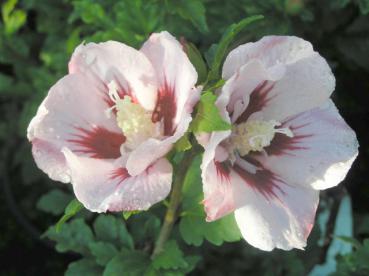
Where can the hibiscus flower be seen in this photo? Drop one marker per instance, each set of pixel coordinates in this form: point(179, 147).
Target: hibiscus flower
point(107, 125)
point(287, 142)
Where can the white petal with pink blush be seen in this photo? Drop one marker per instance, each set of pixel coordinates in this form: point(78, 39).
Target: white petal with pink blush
point(288, 141)
point(95, 124)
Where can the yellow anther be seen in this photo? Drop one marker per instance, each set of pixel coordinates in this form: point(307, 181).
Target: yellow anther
point(135, 122)
point(255, 135)
point(132, 118)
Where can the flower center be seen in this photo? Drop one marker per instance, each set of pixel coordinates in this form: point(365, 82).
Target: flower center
point(255, 135)
point(132, 118)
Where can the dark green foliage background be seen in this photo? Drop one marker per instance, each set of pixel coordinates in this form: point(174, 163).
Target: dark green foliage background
point(36, 41)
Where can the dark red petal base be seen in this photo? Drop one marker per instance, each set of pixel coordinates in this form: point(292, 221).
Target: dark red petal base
point(259, 98)
point(97, 142)
point(165, 109)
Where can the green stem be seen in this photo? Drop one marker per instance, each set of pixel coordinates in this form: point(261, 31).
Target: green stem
point(174, 202)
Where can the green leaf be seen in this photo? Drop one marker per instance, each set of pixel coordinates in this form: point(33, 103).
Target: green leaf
point(13, 18)
point(15, 21)
point(355, 263)
point(6, 84)
point(83, 267)
point(128, 263)
point(91, 13)
point(111, 229)
point(217, 85)
point(364, 6)
point(210, 54)
point(293, 7)
point(7, 8)
point(73, 41)
point(124, 237)
point(54, 202)
point(354, 242)
point(192, 188)
point(223, 46)
point(170, 257)
point(74, 236)
point(183, 143)
point(105, 228)
point(192, 262)
point(70, 211)
point(103, 252)
point(193, 226)
point(128, 214)
point(208, 118)
point(145, 226)
point(194, 229)
point(192, 10)
point(197, 60)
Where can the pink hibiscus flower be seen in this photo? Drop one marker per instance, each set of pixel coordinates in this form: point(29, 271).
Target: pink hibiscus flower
point(287, 142)
point(107, 126)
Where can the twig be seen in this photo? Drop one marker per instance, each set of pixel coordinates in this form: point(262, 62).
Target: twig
point(175, 200)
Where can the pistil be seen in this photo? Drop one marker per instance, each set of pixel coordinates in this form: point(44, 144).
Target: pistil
point(255, 135)
point(134, 121)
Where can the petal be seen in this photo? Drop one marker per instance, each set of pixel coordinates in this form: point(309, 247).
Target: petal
point(320, 153)
point(212, 172)
point(249, 88)
point(218, 191)
point(307, 84)
point(144, 190)
point(49, 159)
point(270, 50)
point(174, 106)
point(283, 222)
point(211, 141)
point(60, 121)
point(103, 185)
point(270, 213)
point(223, 190)
point(307, 81)
point(152, 149)
point(177, 78)
point(114, 61)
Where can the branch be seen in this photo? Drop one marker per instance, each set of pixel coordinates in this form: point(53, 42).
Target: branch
point(175, 200)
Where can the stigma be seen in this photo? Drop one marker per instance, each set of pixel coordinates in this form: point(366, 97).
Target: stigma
point(134, 121)
point(255, 136)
